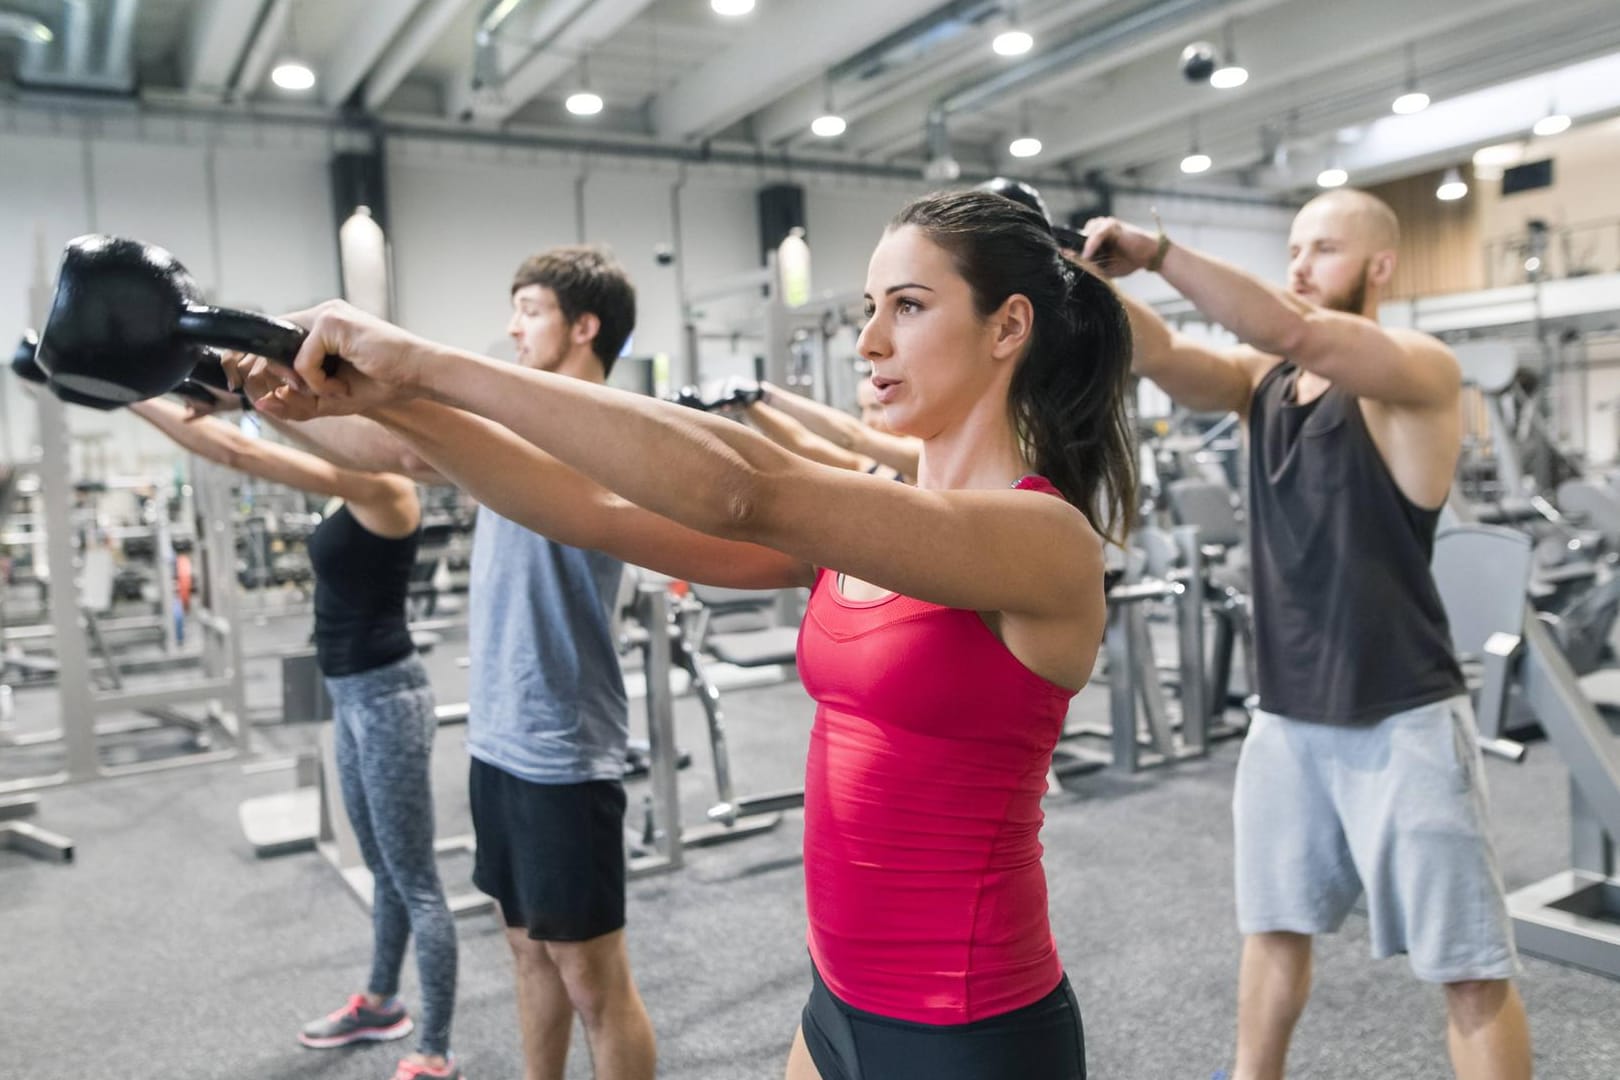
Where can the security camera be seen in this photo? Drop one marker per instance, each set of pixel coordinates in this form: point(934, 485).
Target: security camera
point(1198, 62)
point(663, 254)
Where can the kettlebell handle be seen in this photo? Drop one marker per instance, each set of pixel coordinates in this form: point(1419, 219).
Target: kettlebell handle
point(246, 332)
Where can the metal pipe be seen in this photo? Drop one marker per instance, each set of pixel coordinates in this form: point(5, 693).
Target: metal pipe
point(119, 60)
point(255, 67)
point(75, 38)
point(266, 43)
point(689, 356)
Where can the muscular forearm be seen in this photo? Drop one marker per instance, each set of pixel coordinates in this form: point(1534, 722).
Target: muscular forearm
point(902, 453)
point(206, 437)
point(355, 442)
point(502, 471)
point(898, 452)
point(1197, 377)
point(1261, 315)
point(699, 470)
point(789, 434)
point(836, 427)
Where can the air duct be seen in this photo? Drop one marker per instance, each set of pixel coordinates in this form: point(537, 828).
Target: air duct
point(94, 50)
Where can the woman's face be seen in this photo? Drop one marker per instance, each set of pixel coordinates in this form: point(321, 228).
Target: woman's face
point(933, 357)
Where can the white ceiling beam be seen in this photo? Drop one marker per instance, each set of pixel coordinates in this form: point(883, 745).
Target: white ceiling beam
point(902, 129)
point(1355, 97)
point(786, 45)
point(1451, 130)
point(788, 119)
point(362, 44)
point(262, 53)
point(215, 43)
point(560, 34)
point(1279, 50)
point(412, 43)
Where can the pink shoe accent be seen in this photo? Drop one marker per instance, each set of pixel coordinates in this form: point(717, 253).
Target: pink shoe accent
point(410, 1070)
point(356, 1003)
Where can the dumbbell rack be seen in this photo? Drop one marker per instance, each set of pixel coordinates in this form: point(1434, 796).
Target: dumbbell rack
point(220, 687)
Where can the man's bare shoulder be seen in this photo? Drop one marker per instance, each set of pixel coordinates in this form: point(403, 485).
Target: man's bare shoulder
point(1256, 365)
point(1432, 362)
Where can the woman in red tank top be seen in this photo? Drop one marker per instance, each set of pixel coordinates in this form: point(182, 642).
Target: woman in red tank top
point(949, 624)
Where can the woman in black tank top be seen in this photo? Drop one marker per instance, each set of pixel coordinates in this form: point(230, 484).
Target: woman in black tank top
point(384, 723)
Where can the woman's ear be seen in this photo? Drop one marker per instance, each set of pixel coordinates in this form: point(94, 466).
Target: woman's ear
point(1014, 322)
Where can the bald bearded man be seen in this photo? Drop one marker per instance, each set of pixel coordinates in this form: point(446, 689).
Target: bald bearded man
point(1360, 772)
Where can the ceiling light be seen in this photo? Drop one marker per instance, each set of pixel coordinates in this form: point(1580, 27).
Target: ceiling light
point(1499, 155)
point(1452, 187)
point(828, 126)
point(1024, 146)
point(1489, 161)
point(942, 170)
point(1413, 101)
point(1196, 162)
point(42, 34)
point(1229, 76)
point(583, 103)
point(1332, 177)
point(1552, 124)
point(293, 75)
point(731, 7)
point(1012, 43)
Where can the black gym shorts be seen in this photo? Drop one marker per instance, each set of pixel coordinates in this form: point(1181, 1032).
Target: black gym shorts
point(1041, 1041)
point(552, 855)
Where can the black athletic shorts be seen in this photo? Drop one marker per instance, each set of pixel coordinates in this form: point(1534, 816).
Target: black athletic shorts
point(1042, 1041)
point(552, 855)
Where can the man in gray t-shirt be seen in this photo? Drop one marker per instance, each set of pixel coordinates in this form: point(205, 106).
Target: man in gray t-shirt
point(547, 720)
point(545, 697)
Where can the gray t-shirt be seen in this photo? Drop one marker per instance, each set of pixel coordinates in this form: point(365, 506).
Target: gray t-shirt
point(546, 699)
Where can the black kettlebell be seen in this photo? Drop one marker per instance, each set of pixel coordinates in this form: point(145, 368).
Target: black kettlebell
point(1019, 192)
point(126, 323)
point(25, 363)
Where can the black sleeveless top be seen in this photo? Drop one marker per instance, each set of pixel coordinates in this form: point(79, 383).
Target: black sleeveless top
point(361, 584)
point(1348, 625)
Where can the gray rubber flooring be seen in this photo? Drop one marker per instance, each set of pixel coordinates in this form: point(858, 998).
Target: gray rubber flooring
point(167, 949)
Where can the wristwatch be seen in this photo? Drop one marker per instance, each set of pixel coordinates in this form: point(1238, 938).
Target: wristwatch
point(1157, 261)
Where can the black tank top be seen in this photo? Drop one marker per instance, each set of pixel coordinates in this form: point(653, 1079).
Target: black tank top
point(361, 584)
point(1348, 625)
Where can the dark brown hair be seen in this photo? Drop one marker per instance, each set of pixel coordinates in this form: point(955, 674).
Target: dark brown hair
point(586, 280)
point(1068, 395)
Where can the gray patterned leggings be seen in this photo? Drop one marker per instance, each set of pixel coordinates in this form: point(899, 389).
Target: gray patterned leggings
point(384, 726)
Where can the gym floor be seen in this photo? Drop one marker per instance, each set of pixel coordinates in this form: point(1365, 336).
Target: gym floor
point(169, 949)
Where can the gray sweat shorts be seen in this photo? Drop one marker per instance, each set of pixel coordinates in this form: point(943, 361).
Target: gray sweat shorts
point(1323, 813)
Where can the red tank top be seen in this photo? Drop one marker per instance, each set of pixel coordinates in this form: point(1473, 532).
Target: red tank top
point(922, 808)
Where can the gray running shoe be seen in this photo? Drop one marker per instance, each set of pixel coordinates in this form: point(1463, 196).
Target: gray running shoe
point(357, 1022)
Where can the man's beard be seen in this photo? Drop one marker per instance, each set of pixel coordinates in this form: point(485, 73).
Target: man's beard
point(1354, 301)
